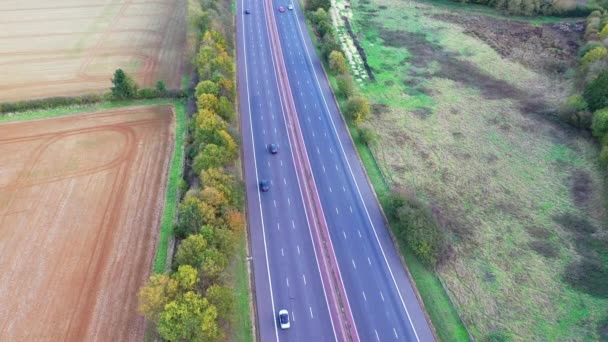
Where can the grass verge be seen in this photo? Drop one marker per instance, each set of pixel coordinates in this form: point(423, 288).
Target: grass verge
point(241, 327)
point(442, 313)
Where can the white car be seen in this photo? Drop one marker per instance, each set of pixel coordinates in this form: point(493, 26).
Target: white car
point(290, 6)
point(284, 319)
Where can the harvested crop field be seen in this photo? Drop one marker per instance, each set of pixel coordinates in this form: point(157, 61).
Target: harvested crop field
point(72, 47)
point(81, 199)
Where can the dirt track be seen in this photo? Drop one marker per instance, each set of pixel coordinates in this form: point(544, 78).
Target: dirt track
point(73, 46)
point(80, 204)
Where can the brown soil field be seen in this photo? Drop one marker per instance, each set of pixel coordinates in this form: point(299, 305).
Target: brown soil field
point(81, 199)
point(72, 47)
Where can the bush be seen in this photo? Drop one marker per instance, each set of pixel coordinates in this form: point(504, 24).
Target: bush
point(124, 86)
point(416, 227)
point(589, 276)
point(337, 62)
point(596, 92)
point(206, 87)
point(604, 156)
point(147, 93)
point(161, 87)
point(51, 102)
point(588, 47)
point(604, 32)
point(575, 112)
point(357, 108)
point(593, 56)
point(599, 126)
point(313, 5)
point(367, 136)
point(346, 85)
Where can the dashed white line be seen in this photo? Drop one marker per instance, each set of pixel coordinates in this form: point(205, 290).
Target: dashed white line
point(287, 280)
point(354, 265)
point(364, 296)
point(395, 332)
point(330, 150)
point(337, 167)
point(323, 166)
point(278, 226)
point(269, 163)
point(304, 278)
point(351, 208)
point(282, 254)
point(311, 315)
point(293, 224)
point(288, 201)
point(293, 316)
point(275, 203)
point(369, 261)
point(284, 181)
point(381, 296)
point(330, 189)
point(377, 337)
point(298, 247)
point(337, 212)
point(343, 188)
point(344, 233)
point(359, 231)
point(281, 161)
point(263, 132)
point(318, 152)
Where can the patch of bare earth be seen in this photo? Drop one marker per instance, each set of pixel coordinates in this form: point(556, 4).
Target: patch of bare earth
point(68, 47)
point(81, 199)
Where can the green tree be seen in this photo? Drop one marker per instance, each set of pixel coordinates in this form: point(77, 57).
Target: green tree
point(208, 102)
point(318, 16)
point(604, 32)
point(212, 156)
point(190, 251)
point(593, 56)
point(124, 86)
point(357, 108)
point(221, 239)
point(222, 298)
point(214, 263)
point(599, 123)
point(337, 62)
point(596, 92)
point(207, 128)
point(224, 182)
point(346, 85)
point(313, 5)
point(206, 87)
point(158, 291)
point(190, 217)
point(367, 135)
point(225, 109)
point(186, 278)
point(191, 318)
point(161, 87)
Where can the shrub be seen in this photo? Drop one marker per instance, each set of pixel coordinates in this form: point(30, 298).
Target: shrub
point(207, 101)
point(416, 226)
point(367, 136)
point(190, 217)
point(604, 156)
point(206, 87)
point(147, 93)
point(593, 56)
point(589, 276)
point(51, 102)
point(588, 47)
point(357, 108)
point(346, 85)
point(225, 109)
point(161, 87)
point(313, 5)
point(191, 251)
point(337, 62)
point(596, 92)
point(604, 32)
point(599, 126)
point(124, 86)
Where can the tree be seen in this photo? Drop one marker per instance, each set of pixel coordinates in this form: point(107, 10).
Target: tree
point(367, 135)
point(319, 15)
point(228, 143)
point(207, 128)
point(225, 109)
point(599, 123)
point(124, 86)
point(596, 92)
point(221, 297)
point(214, 263)
point(226, 88)
point(222, 181)
point(221, 239)
point(604, 32)
point(190, 317)
point(158, 291)
point(337, 62)
point(186, 278)
point(234, 220)
point(346, 85)
point(161, 87)
point(190, 251)
point(211, 156)
point(206, 87)
point(357, 108)
point(214, 197)
point(313, 5)
point(593, 56)
point(190, 217)
point(208, 102)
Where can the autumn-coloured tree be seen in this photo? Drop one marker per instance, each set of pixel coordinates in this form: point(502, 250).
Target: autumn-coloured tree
point(234, 220)
point(225, 109)
point(357, 108)
point(158, 291)
point(208, 102)
point(206, 87)
point(214, 197)
point(226, 88)
point(222, 298)
point(190, 251)
point(189, 318)
point(337, 62)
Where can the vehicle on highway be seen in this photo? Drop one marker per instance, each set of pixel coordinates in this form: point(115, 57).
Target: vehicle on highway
point(273, 148)
point(290, 6)
point(264, 185)
point(247, 11)
point(284, 319)
point(281, 9)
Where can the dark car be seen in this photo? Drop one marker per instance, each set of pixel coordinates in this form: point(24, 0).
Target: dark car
point(281, 9)
point(264, 185)
point(273, 148)
point(247, 11)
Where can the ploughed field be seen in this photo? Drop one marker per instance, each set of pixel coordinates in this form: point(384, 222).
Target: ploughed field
point(81, 198)
point(72, 47)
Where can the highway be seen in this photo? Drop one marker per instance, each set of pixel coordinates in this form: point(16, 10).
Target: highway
point(286, 269)
point(380, 293)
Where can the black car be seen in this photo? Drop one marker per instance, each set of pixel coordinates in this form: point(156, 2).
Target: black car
point(247, 11)
point(273, 148)
point(264, 185)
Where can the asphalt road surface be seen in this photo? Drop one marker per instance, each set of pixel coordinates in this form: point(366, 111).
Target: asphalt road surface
point(380, 293)
point(286, 270)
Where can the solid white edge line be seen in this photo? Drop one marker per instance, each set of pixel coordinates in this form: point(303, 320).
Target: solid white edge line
point(355, 180)
point(299, 185)
point(276, 330)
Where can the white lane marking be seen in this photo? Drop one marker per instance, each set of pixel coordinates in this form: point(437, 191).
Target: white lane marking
point(284, 181)
point(311, 315)
point(359, 231)
point(304, 278)
point(263, 132)
point(395, 332)
point(344, 233)
point(330, 189)
point(282, 254)
point(305, 211)
point(330, 150)
point(351, 208)
point(278, 226)
point(293, 224)
point(319, 117)
point(343, 188)
point(293, 316)
point(313, 134)
point(287, 281)
point(356, 185)
point(298, 247)
point(364, 296)
point(323, 166)
point(354, 265)
point(381, 296)
point(318, 152)
point(337, 212)
point(269, 163)
point(276, 329)
point(337, 167)
point(369, 261)
point(308, 118)
point(275, 203)
point(281, 161)
point(377, 337)
point(288, 201)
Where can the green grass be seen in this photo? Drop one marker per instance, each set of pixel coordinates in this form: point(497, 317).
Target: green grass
point(442, 313)
point(499, 177)
point(241, 326)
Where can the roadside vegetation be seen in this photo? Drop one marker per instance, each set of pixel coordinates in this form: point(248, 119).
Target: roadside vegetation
point(205, 295)
point(467, 149)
